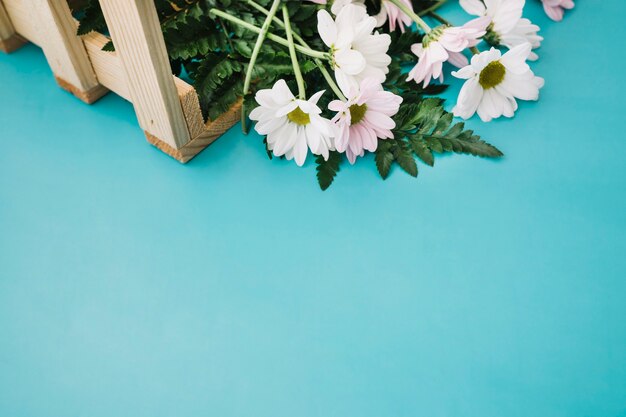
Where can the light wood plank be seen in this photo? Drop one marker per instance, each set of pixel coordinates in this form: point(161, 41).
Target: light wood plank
point(21, 16)
point(107, 65)
point(136, 32)
point(6, 27)
point(63, 49)
point(212, 130)
point(111, 73)
point(9, 40)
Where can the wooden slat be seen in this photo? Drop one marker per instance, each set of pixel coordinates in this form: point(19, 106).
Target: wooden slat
point(6, 27)
point(22, 18)
point(202, 134)
point(9, 40)
point(112, 73)
point(64, 50)
point(136, 32)
point(107, 65)
point(212, 130)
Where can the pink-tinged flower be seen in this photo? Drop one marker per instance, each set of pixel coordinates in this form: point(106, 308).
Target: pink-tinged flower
point(555, 8)
point(508, 27)
point(364, 118)
point(445, 43)
point(396, 17)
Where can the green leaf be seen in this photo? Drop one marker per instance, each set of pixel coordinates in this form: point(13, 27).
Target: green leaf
point(214, 54)
point(109, 47)
point(422, 151)
point(92, 19)
point(404, 158)
point(466, 144)
point(428, 128)
point(243, 48)
point(327, 170)
point(384, 158)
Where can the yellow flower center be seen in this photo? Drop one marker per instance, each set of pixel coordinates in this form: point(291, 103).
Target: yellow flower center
point(492, 75)
point(357, 112)
point(299, 117)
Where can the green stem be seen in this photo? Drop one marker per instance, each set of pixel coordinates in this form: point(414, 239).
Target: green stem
point(407, 10)
point(329, 80)
point(440, 19)
point(230, 41)
point(282, 41)
point(255, 54)
point(433, 7)
point(320, 65)
point(292, 53)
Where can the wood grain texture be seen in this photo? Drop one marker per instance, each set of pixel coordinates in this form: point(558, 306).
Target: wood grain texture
point(89, 96)
point(211, 131)
point(11, 44)
point(107, 65)
point(174, 100)
point(110, 73)
point(136, 33)
point(63, 49)
point(7, 30)
point(21, 19)
point(191, 108)
point(9, 39)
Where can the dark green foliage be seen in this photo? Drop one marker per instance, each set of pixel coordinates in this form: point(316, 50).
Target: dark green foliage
point(327, 170)
point(384, 158)
point(91, 19)
point(215, 54)
point(390, 151)
point(438, 134)
point(422, 6)
point(409, 90)
point(425, 128)
point(401, 45)
point(108, 47)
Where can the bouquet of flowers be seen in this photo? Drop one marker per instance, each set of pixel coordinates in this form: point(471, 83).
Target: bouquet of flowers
point(339, 79)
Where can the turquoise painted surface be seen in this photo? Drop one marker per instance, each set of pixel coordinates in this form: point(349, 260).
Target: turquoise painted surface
point(133, 286)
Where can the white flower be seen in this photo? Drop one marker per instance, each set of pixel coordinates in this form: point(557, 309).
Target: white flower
point(555, 8)
point(337, 5)
point(507, 27)
point(292, 125)
point(364, 117)
point(493, 83)
point(392, 13)
point(357, 53)
point(445, 44)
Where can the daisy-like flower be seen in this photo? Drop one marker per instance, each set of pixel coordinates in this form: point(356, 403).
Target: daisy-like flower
point(364, 117)
point(292, 125)
point(396, 17)
point(445, 43)
point(357, 53)
point(507, 28)
point(337, 5)
point(494, 82)
point(556, 8)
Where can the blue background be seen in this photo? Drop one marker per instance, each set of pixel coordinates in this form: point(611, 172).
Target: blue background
point(131, 285)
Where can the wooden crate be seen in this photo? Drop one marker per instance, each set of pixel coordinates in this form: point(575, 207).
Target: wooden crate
point(167, 107)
